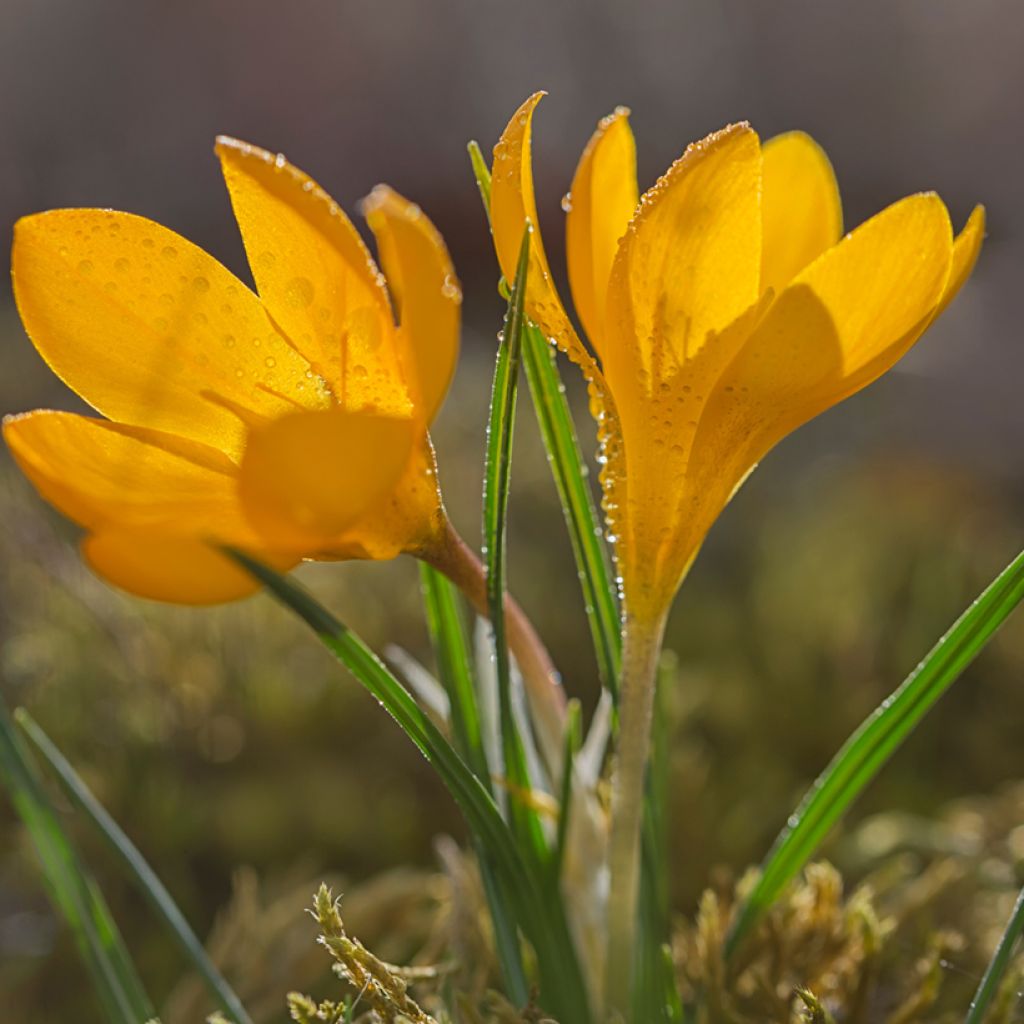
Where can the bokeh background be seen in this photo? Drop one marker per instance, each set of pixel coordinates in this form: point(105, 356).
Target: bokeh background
point(226, 739)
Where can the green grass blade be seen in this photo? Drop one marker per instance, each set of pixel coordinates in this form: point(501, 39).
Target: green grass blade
point(573, 739)
point(581, 516)
point(142, 874)
point(72, 889)
point(569, 469)
point(563, 991)
point(989, 985)
point(497, 475)
point(867, 750)
point(451, 650)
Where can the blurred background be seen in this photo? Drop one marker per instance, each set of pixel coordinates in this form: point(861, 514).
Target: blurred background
point(228, 739)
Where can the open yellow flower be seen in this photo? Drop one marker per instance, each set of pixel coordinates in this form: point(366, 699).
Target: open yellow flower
point(723, 310)
point(292, 424)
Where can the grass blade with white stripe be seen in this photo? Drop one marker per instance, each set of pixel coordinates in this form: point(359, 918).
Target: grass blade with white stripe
point(145, 878)
point(72, 889)
point(569, 470)
point(563, 991)
point(497, 475)
point(867, 750)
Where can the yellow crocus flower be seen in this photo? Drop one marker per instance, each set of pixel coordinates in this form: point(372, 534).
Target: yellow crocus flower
point(723, 309)
point(291, 424)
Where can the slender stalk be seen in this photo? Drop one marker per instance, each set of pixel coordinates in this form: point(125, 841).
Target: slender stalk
point(457, 561)
point(640, 652)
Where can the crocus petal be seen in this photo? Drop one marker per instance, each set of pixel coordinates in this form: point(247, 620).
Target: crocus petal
point(409, 519)
point(306, 477)
point(602, 202)
point(148, 328)
point(839, 325)
point(966, 247)
point(512, 209)
point(315, 277)
point(108, 476)
point(800, 204)
point(180, 570)
point(688, 265)
point(426, 292)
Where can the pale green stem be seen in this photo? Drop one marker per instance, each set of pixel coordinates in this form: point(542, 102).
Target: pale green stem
point(641, 650)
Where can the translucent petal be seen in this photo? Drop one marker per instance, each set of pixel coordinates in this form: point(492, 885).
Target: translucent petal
point(107, 476)
point(840, 324)
point(149, 329)
point(966, 247)
point(689, 263)
point(601, 204)
point(803, 215)
point(316, 277)
point(307, 477)
point(427, 295)
point(181, 570)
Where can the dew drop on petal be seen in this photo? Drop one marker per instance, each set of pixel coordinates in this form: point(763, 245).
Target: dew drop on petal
point(299, 292)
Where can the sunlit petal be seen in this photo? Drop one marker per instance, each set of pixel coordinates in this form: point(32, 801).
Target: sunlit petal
point(178, 569)
point(316, 277)
point(966, 247)
point(307, 477)
point(149, 329)
point(602, 202)
point(426, 293)
point(803, 215)
point(105, 475)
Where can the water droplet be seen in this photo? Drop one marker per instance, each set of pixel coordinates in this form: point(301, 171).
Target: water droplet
point(147, 243)
point(166, 299)
point(121, 264)
point(266, 259)
point(201, 284)
point(239, 373)
point(450, 289)
point(229, 340)
point(280, 161)
point(270, 362)
point(199, 318)
point(567, 202)
point(360, 371)
point(299, 292)
point(85, 266)
point(169, 252)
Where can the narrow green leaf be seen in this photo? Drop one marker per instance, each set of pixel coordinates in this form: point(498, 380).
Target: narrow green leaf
point(72, 889)
point(573, 739)
point(451, 649)
point(497, 475)
point(570, 474)
point(997, 965)
point(868, 749)
point(141, 873)
point(563, 991)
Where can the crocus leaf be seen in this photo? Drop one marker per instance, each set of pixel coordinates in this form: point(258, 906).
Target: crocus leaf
point(997, 965)
point(543, 921)
point(874, 742)
point(72, 888)
point(141, 873)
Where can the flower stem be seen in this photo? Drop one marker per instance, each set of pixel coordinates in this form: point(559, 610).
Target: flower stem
point(640, 653)
point(459, 563)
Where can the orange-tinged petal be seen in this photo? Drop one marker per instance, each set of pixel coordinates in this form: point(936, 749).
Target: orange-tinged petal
point(800, 204)
point(316, 277)
point(966, 247)
point(839, 325)
point(512, 210)
point(688, 265)
point(409, 519)
point(426, 292)
point(109, 476)
point(149, 329)
point(307, 477)
point(181, 570)
point(602, 202)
